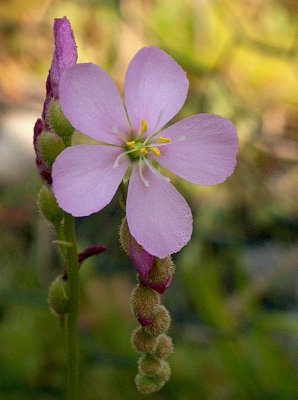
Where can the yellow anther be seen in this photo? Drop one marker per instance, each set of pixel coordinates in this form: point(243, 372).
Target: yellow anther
point(131, 145)
point(144, 126)
point(143, 151)
point(155, 150)
point(164, 140)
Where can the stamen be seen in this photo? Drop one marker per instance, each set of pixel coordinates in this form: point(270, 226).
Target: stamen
point(143, 179)
point(143, 151)
point(131, 144)
point(116, 163)
point(144, 126)
point(156, 172)
point(179, 139)
point(155, 150)
point(164, 140)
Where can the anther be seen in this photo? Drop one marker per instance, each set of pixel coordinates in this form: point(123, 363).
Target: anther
point(144, 126)
point(144, 151)
point(155, 150)
point(164, 140)
point(131, 144)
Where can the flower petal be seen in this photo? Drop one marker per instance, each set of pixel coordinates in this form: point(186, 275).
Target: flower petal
point(84, 180)
point(155, 89)
point(203, 150)
point(158, 216)
point(91, 102)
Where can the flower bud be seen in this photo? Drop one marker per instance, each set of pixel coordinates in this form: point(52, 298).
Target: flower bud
point(160, 276)
point(50, 146)
point(148, 384)
point(165, 371)
point(58, 122)
point(141, 259)
point(144, 304)
point(143, 342)
point(150, 365)
point(161, 322)
point(164, 347)
point(58, 296)
point(48, 206)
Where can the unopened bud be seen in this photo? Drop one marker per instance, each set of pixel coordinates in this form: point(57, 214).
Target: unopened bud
point(58, 122)
point(161, 323)
point(50, 146)
point(160, 275)
point(144, 304)
point(141, 259)
point(48, 206)
point(148, 384)
point(165, 371)
point(58, 296)
point(150, 365)
point(143, 342)
point(164, 347)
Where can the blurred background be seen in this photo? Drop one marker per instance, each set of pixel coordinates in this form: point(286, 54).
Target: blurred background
point(234, 298)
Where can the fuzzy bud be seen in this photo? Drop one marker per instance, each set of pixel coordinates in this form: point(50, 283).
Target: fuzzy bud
point(160, 276)
point(161, 323)
point(50, 146)
point(48, 206)
point(150, 365)
point(58, 296)
point(165, 371)
point(164, 347)
point(144, 304)
point(143, 342)
point(58, 122)
point(148, 384)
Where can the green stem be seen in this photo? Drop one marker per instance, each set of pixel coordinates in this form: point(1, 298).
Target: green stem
point(72, 318)
point(59, 227)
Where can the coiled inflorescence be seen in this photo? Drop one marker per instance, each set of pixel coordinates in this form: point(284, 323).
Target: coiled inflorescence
point(150, 339)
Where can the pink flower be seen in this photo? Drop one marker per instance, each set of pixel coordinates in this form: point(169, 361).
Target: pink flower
point(201, 149)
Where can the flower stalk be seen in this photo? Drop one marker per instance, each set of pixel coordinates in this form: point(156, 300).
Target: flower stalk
point(72, 317)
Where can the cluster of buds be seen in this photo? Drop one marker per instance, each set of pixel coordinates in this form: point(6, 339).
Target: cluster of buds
point(150, 339)
point(52, 134)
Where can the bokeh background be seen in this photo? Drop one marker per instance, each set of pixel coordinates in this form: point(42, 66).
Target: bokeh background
point(234, 299)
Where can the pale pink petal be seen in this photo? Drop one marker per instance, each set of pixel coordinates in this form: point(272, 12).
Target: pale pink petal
point(84, 180)
point(155, 89)
point(158, 216)
point(91, 102)
point(203, 149)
